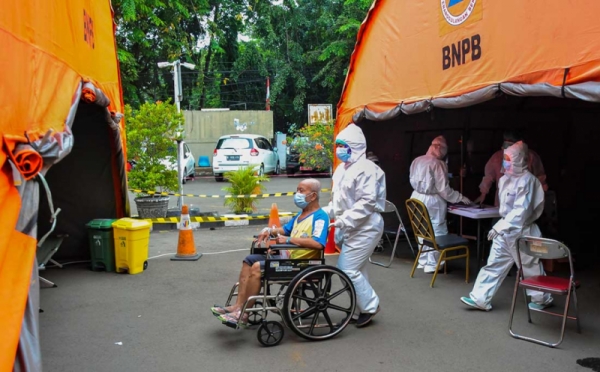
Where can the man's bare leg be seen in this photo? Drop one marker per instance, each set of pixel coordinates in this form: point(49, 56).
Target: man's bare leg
point(251, 288)
point(243, 279)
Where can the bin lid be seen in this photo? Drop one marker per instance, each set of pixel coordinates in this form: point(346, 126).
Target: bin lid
point(131, 224)
point(101, 224)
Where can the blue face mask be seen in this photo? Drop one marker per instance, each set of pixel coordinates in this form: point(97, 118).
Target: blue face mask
point(300, 200)
point(506, 165)
point(343, 153)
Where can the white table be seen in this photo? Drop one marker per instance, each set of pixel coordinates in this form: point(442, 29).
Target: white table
point(475, 213)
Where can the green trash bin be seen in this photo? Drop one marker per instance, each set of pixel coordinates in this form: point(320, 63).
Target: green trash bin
point(102, 245)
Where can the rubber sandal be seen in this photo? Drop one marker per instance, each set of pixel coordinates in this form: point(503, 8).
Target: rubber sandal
point(218, 310)
point(233, 321)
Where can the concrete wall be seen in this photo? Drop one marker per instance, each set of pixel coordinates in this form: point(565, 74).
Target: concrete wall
point(203, 128)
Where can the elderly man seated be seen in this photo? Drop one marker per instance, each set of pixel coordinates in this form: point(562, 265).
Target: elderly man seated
point(308, 229)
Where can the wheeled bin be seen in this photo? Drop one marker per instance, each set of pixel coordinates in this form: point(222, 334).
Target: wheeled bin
point(131, 238)
point(102, 248)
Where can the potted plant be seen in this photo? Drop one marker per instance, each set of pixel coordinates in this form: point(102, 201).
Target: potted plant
point(151, 132)
point(244, 181)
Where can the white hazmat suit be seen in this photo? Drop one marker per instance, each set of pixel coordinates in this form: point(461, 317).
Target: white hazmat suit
point(521, 204)
point(429, 179)
point(358, 197)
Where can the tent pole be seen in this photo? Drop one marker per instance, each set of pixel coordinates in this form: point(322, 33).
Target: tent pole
point(461, 178)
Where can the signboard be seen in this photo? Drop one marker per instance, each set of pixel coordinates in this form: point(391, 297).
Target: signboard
point(319, 113)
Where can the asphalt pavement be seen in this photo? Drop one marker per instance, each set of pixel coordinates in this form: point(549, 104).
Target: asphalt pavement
point(206, 185)
point(160, 320)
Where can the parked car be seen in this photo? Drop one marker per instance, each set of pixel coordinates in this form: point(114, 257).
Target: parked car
point(292, 163)
point(242, 150)
point(188, 162)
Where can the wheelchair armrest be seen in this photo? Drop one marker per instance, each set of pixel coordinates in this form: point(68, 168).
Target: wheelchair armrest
point(285, 246)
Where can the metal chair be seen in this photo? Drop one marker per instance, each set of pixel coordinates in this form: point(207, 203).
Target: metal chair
point(401, 230)
point(424, 235)
point(546, 249)
point(44, 254)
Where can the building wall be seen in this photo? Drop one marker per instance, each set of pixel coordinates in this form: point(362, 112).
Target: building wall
point(203, 128)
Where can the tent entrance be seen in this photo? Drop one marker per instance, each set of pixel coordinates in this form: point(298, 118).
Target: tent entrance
point(561, 131)
point(83, 183)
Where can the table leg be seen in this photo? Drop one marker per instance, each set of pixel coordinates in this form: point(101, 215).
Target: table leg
point(478, 243)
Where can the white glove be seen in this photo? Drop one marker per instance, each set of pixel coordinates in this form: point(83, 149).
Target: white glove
point(338, 237)
point(465, 200)
point(492, 234)
point(337, 223)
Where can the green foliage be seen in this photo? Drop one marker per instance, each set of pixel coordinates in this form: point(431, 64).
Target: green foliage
point(317, 151)
point(244, 181)
point(304, 46)
point(150, 132)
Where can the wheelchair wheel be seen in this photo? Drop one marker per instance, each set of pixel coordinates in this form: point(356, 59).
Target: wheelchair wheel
point(319, 303)
point(256, 317)
point(270, 333)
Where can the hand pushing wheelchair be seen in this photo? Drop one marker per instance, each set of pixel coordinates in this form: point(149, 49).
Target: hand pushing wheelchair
point(314, 300)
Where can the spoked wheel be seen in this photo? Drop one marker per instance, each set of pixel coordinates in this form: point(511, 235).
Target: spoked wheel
point(270, 333)
point(319, 303)
point(256, 317)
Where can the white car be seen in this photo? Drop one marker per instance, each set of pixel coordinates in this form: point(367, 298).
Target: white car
point(242, 150)
point(188, 162)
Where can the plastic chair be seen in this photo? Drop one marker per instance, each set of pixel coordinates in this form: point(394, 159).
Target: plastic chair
point(203, 161)
point(401, 230)
point(424, 235)
point(545, 249)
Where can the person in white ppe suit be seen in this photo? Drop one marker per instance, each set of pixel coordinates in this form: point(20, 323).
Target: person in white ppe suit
point(429, 179)
point(358, 198)
point(521, 204)
point(493, 168)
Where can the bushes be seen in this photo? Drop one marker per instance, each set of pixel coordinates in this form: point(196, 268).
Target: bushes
point(150, 132)
point(244, 181)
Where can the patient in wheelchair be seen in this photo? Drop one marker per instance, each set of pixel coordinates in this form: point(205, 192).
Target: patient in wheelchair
point(307, 229)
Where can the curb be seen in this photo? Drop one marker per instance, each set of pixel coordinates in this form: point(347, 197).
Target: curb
point(168, 226)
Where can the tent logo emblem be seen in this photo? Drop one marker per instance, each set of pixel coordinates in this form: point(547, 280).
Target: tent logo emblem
point(456, 12)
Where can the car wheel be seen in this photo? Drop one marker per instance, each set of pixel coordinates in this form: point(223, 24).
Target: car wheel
point(261, 170)
point(277, 169)
point(184, 176)
point(219, 177)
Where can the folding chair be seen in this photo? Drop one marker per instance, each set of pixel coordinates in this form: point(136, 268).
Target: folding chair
point(546, 249)
point(401, 230)
point(424, 235)
point(44, 253)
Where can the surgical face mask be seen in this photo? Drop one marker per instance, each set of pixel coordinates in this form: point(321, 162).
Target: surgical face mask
point(507, 166)
point(343, 153)
point(300, 200)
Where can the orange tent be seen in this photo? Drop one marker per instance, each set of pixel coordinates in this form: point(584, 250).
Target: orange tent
point(60, 94)
point(414, 55)
point(470, 69)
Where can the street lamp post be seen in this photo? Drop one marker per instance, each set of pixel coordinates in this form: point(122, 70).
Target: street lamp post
point(178, 95)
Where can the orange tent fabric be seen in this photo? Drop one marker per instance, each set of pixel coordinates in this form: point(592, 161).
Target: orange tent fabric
point(409, 54)
point(49, 49)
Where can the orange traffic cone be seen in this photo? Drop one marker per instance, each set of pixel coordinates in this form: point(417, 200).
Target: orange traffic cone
point(186, 249)
point(274, 216)
point(331, 248)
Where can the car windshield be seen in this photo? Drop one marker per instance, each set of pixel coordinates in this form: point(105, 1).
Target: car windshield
point(234, 143)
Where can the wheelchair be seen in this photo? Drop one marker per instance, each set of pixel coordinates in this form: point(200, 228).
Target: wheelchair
point(314, 300)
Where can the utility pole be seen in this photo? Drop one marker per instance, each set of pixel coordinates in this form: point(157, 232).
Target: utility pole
point(268, 95)
point(178, 96)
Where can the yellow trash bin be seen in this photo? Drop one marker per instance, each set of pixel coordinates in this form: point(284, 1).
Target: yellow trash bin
point(131, 244)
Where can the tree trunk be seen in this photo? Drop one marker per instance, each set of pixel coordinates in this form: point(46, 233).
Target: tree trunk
point(208, 57)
